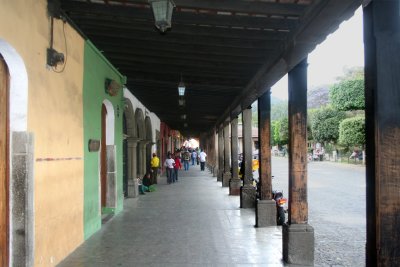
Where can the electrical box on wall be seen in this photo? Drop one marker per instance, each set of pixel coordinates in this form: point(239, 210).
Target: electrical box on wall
point(54, 58)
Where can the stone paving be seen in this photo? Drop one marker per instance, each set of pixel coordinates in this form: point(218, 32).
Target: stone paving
point(190, 223)
point(336, 202)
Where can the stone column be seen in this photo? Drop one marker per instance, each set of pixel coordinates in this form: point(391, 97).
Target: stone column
point(143, 154)
point(132, 168)
point(141, 158)
point(382, 125)
point(266, 207)
point(297, 235)
point(235, 183)
point(247, 191)
point(227, 156)
point(220, 154)
point(215, 153)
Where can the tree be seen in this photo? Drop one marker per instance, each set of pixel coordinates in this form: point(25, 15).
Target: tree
point(352, 131)
point(280, 132)
point(348, 94)
point(325, 124)
point(279, 110)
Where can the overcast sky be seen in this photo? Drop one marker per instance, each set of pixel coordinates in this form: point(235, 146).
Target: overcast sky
point(342, 49)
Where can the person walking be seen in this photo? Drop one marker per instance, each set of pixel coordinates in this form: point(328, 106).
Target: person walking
point(154, 164)
point(202, 158)
point(177, 166)
point(169, 164)
point(194, 156)
point(186, 158)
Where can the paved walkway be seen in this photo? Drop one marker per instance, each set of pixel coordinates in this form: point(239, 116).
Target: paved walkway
point(190, 223)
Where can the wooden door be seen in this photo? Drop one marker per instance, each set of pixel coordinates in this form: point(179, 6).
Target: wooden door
point(103, 157)
point(4, 182)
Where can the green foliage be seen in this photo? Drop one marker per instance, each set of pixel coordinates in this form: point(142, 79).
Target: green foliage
point(348, 94)
point(352, 131)
point(325, 124)
point(280, 132)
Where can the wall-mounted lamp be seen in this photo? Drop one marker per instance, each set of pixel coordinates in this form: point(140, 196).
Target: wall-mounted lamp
point(162, 12)
point(185, 125)
point(181, 101)
point(183, 116)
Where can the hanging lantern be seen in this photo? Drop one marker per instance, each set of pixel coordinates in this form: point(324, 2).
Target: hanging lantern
point(162, 11)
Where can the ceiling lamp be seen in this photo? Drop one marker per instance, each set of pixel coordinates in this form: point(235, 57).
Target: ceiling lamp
point(162, 11)
point(181, 88)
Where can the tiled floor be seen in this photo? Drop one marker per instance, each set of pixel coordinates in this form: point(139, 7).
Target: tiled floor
point(190, 223)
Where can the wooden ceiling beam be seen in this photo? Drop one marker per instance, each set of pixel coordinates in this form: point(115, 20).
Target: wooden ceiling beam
point(171, 38)
point(194, 49)
point(234, 6)
point(138, 53)
point(187, 23)
point(251, 32)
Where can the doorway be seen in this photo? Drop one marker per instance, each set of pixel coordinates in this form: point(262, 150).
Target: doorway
point(103, 157)
point(4, 172)
point(125, 157)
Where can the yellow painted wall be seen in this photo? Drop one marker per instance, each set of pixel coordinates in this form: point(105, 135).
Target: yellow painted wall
point(55, 117)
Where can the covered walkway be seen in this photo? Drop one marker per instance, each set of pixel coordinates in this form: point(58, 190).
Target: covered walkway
point(190, 223)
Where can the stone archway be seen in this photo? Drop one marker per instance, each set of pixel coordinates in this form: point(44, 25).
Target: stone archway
point(19, 148)
point(108, 188)
point(149, 138)
point(141, 135)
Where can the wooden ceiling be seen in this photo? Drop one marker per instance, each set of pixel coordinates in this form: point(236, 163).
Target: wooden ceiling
point(228, 52)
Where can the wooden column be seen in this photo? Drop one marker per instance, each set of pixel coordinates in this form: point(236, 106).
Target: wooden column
point(264, 137)
point(227, 156)
point(382, 95)
point(247, 146)
point(297, 235)
point(220, 154)
point(298, 205)
point(266, 207)
point(235, 183)
point(247, 192)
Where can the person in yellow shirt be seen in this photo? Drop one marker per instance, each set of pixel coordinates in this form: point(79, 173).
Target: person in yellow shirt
point(154, 164)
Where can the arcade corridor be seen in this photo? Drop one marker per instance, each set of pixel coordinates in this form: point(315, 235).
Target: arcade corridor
point(190, 223)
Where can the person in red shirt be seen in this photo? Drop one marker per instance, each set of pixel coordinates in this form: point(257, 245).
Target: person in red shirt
point(177, 166)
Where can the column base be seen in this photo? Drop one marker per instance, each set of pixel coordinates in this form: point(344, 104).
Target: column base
point(298, 244)
point(234, 187)
point(226, 178)
point(247, 197)
point(215, 172)
point(265, 213)
point(220, 174)
point(133, 188)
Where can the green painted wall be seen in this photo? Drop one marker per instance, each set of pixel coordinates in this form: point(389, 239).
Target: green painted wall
point(96, 70)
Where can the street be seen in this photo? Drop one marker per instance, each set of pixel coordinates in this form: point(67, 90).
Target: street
point(336, 199)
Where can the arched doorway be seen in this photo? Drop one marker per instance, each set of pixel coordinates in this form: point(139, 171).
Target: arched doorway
point(103, 157)
point(149, 138)
point(141, 134)
point(125, 158)
point(108, 176)
point(4, 172)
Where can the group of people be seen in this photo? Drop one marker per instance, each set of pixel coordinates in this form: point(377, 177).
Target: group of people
point(174, 161)
point(173, 164)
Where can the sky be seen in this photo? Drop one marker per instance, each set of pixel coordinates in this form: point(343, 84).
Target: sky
point(341, 49)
